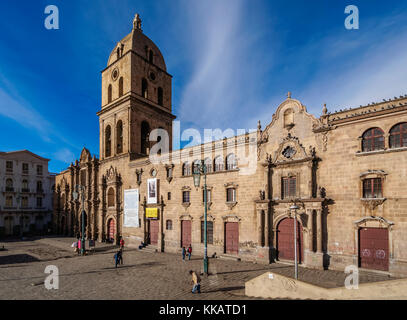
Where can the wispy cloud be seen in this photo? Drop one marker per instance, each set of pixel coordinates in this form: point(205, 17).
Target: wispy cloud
point(224, 64)
point(64, 155)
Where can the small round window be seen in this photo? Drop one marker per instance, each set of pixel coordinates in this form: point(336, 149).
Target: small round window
point(115, 74)
point(152, 76)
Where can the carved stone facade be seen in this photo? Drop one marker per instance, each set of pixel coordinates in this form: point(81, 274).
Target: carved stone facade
point(317, 163)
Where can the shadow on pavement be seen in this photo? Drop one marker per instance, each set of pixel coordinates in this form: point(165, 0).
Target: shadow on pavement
point(224, 289)
point(17, 258)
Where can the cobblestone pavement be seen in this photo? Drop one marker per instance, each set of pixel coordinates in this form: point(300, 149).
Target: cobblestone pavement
point(144, 275)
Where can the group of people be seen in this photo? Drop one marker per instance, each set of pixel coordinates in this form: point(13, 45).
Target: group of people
point(185, 252)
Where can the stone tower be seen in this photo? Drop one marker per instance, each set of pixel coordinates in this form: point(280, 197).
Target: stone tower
point(136, 97)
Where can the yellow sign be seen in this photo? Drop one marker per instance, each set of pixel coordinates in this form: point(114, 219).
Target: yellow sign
point(151, 213)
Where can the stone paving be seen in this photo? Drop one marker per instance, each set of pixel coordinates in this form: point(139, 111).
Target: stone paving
point(144, 275)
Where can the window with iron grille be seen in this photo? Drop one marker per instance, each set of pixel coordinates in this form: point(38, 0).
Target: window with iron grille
point(372, 188)
point(231, 195)
point(373, 139)
point(9, 166)
point(25, 168)
point(9, 201)
point(185, 196)
point(208, 196)
point(209, 232)
point(288, 187)
point(398, 136)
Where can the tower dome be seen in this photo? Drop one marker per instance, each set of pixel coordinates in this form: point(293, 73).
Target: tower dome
point(139, 43)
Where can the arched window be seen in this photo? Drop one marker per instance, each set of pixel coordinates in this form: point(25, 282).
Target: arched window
point(9, 185)
point(208, 164)
point(373, 139)
point(219, 163)
point(168, 225)
point(144, 88)
point(109, 94)
point(145, 143)
point(288, 118)
point(231, 162)
point(108, 142)
point(150, 56)
point(110, 197)
point(195, 166)
point(160, 96)
point(119, 137)
point(186, 169)
point(398, 136)
point(120, 87)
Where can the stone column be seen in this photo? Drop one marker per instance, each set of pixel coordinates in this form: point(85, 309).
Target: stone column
point(259, 228)
point(319, 231)
point(266, 229)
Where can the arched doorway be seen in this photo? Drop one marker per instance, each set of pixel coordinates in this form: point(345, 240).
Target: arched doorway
point(111, 230)
point(285, 240)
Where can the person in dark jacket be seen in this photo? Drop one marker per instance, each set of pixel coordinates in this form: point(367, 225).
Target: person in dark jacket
point(189, 252)
point(118, 258)
point(184, 252)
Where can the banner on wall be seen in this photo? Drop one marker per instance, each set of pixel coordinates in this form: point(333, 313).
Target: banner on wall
point(151, 213)
point(131, 207)
point(152, 191)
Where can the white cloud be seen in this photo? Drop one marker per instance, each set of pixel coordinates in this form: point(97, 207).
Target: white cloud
point(64, 155)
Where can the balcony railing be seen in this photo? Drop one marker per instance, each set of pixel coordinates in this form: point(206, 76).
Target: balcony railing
point(25, 190)
point(9, 189)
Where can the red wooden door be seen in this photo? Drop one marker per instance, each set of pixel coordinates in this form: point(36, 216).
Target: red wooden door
point(186, 233)
point(112, 229)
point(285, 240)
point(232, 237)
point(154, 232)
point(374, 248)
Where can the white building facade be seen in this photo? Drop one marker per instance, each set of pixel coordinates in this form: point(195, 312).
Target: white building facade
point(26, 194)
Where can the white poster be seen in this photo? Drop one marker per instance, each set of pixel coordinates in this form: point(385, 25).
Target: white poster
point(131, 204)
point(152, 191)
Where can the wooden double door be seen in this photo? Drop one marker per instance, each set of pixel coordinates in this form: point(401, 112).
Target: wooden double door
point(374, 248)
point(186, 233)
point(285, 240)
point(232, 237)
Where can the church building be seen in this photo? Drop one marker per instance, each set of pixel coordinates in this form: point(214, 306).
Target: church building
point(345, 171)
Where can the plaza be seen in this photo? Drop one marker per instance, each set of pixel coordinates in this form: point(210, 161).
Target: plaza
point(145, 275)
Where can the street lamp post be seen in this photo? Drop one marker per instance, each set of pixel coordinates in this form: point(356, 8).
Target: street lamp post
point(199, 170)
point(75, 196)
point(295, 208)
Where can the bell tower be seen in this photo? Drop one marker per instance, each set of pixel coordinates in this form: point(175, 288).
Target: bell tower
point(136, 97)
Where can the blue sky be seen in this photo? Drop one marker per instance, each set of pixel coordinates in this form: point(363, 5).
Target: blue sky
point(232, 61)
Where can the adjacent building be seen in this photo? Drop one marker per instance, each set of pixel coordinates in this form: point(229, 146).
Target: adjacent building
point(26, 187)
point(346, 171)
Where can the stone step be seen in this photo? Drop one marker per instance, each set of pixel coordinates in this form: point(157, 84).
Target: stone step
point(229, 257)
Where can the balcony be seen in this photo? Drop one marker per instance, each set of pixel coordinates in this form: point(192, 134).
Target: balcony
point(40, 191)
point(9, 189)
point(25, 190)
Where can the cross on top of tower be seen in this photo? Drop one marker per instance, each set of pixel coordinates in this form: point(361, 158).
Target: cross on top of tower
point(137, 22)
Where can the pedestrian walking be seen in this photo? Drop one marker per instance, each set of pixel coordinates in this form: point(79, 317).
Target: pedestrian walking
point(121, 243)
point(118, 258)
point(184, 252)
point(189, 252)
point(196, 281)
point(79, 246)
